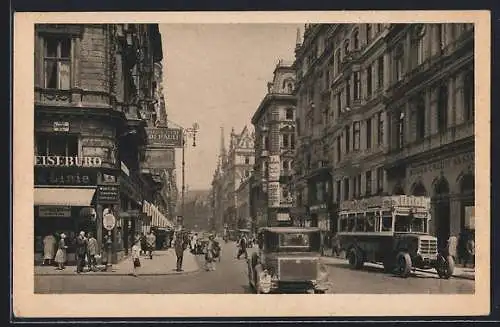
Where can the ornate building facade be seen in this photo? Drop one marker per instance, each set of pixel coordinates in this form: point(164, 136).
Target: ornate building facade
point(94, 96)
point(392, 106)
point(275, 141)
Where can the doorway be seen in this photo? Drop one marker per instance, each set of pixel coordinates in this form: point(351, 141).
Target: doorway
point(441, 201)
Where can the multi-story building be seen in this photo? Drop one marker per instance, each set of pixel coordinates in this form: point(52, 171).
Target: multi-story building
point(93, 98)
point(400, 113)
point(234, 167)
point(274, 123)
point(196, 210)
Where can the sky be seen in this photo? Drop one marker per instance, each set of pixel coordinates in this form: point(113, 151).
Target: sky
point(216, 75)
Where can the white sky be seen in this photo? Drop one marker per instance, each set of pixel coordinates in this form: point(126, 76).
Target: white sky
point(216, 75)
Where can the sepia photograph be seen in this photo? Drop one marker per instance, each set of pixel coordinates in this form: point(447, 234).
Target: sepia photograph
point(290, 158)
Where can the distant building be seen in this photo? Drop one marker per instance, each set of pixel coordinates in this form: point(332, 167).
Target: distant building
point(197, 210)
point(234, 167)
point(275, 141)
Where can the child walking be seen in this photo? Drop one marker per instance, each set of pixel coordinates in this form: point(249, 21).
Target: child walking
point(136, 250)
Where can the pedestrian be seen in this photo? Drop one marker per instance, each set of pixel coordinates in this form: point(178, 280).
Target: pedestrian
point(151, 242)
point(242, 244)
point(136, 253)
point(452, 247)
point(61, 252)
point(210, 254)
point(91, 251)
point(49, 249)
point(194, 241)
point(471, 251)
point(143, 244)
point(179, 246)
point(81, 251)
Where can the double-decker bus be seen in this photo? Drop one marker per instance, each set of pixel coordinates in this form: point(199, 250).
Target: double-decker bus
point(393, 230)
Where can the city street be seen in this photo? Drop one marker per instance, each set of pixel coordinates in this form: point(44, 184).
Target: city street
point(230, 277)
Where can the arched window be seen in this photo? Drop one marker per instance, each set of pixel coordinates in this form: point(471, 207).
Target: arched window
point(355, 38)
point(441, 187)
point(289, 113)
point(289, 88)
point(398, 190)
point(346, 47)
point(419, 190)
point(467, 184)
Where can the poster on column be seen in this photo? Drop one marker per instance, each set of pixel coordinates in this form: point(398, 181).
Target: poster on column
point(273, 191)
point(274, 168)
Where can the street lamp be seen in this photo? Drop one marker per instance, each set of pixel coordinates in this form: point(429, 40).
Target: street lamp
point(186, 133)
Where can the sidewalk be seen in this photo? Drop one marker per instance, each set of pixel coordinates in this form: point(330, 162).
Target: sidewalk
point(163, 263)
point(460, 272)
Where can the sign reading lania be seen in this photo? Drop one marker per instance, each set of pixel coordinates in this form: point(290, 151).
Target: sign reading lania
point(68, 161)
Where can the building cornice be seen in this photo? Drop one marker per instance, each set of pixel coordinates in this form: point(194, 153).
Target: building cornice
point(268, 99)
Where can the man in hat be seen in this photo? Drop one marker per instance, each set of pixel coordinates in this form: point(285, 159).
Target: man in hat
point(179, 246)
point(81, 251)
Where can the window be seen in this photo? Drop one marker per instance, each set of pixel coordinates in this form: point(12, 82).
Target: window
point(379, 28)
point(247, 160)
point(417, 46)
point(339, 61)
point(398, 63)
point(319, 191)
point(346, 189)
point(369, 80)
point(370, 222)
point(57, 63)
point(357, 186)
point(386, 222)
point(339, 149)
point(292, 141)
point(368, 133)
point(420, 113)
point(380, 180)
point(469, 96)
point(339, 103)
point(368, 183)
point(401, 130)
point(357, 86)
point(266, 142)
point(368, 33)
point(337, 191)
point(56, 145)
point(355, 38)
point(347, 139)
point(285, 140)
point(442, 115)
point(380, 128)
point(356, 135)
point(289, 113)
point(348, 93)
point(346, 48)
point(380, 73)
point(286, 165)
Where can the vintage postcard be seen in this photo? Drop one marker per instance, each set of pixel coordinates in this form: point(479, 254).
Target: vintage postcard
point(251, 164)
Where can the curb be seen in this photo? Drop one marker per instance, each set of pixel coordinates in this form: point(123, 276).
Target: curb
point(122, 274)
point(420, 270)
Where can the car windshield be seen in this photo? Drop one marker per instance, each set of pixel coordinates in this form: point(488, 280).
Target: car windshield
point(292, 242)
point(409, 224)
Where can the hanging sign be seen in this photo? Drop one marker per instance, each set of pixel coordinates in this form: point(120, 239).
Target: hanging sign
point(108, 221)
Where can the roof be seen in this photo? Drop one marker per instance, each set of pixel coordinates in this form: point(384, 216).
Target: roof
point(290, 229)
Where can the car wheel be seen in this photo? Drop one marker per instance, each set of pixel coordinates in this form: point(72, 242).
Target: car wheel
point(355, 258)
point(403, 264)
point(445, 267)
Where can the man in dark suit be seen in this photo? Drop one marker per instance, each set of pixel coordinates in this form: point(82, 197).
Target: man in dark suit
point(81, 251)
point(179, 246)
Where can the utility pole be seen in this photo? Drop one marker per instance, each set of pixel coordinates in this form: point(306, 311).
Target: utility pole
point(186, 133)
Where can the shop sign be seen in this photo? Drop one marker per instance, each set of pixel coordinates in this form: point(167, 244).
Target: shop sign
point(159, 159)
point(273, 193)
point(442, 164)
point(274, 168)
point(62, 161)
point(65, 176)
point(387, 202)
point(54, 211)
point(61, 126)
point(109, 221)
point(108, 194)
point(164, 137)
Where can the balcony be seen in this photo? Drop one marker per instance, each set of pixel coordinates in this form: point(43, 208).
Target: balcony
point(73, 97)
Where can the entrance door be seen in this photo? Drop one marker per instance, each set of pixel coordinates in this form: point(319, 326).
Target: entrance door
point(441, 201)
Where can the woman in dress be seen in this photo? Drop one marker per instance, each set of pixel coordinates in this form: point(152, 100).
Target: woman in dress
point(61, 252)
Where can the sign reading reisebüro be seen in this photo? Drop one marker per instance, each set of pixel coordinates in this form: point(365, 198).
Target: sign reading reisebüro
point(68, 161)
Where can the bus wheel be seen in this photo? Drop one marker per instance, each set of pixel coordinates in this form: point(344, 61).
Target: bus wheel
point(403, 264)
point(355, 258)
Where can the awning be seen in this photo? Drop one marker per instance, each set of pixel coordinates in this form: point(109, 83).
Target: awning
point(78, 197)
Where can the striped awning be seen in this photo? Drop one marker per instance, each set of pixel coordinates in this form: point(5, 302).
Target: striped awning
point(78, 197)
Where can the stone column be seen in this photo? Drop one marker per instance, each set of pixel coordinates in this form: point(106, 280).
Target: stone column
point(386, 135)
point(433, 110)
point(451, 100)
point(459, 99)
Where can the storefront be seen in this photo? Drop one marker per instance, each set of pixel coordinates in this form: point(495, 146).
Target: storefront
point(449, 181)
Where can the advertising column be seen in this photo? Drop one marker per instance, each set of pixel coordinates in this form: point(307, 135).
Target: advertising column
point(273, 188)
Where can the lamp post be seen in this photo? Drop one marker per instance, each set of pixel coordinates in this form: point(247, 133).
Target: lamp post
point(186, 133)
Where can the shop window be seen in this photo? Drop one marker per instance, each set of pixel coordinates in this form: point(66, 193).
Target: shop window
point(442, 115)
point(57, 145)
point(289, 113)
point(356, 135)
point(469, 96)
point(57, 62)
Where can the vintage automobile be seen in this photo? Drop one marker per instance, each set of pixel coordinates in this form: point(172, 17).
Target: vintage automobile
point(392, 230)
point(288, 260)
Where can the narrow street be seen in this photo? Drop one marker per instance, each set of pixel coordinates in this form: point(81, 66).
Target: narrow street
point(230, 277)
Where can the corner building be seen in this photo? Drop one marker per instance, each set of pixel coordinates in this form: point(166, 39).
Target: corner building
point(393, 105)
point(94, 96)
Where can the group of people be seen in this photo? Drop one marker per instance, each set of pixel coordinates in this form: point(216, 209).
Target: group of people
point(462, 248)
point(148, 244)
point(55, 251)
